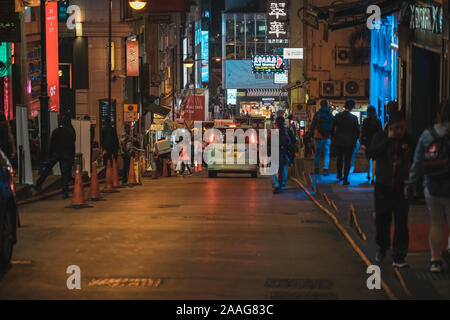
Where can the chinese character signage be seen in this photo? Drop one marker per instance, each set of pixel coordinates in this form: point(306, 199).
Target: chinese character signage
point(132, 58)
point(277, 21)
point(268, 63)
point(51, 13)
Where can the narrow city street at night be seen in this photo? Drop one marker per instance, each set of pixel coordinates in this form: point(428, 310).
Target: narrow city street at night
point(191, 238)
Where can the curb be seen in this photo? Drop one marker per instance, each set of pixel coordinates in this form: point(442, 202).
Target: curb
point(346, 236)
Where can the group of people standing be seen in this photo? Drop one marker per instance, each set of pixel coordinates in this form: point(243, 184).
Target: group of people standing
point(345, 130)
point(400, 165)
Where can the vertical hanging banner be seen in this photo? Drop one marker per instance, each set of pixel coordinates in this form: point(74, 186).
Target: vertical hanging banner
point(132, 58)
point(51, 13)
point(277, 21)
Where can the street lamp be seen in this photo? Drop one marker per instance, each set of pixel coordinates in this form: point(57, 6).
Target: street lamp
point(189, 62)
point(137, 5)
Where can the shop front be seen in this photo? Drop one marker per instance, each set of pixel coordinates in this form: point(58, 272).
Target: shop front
point(422, 55)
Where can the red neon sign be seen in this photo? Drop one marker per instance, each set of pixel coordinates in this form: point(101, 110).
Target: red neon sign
point(51, 13)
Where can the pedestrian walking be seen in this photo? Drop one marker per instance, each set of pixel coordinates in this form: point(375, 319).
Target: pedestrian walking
point(431, 161)
point(62, 150)
point(109, 141)
point(393, 150)
point(371, 125)
point(345, 130)
point(7, 144)
point(321, 129)
point(185, 158)
point(125, 144)
point(286, 155)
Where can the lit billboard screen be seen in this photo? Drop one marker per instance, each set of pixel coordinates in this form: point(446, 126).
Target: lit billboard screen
point(205, 56)
point(268, 63)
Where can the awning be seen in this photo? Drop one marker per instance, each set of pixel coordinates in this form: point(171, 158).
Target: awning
point(159, 109)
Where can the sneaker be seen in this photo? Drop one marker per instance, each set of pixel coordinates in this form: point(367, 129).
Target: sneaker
point(316, 170)
point(346, 183)
point(400, 264)
point(283, 188)
point(325, 172)
point(379, 257)
point(276, 190)
point(436, 266)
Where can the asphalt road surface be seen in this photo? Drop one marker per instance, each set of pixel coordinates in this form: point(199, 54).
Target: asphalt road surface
point(186, 238)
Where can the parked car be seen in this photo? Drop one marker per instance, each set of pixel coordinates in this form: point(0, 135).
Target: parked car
point(8, 211)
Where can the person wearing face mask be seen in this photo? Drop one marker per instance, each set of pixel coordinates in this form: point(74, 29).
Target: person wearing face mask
point(431, 162)
point(393, 150)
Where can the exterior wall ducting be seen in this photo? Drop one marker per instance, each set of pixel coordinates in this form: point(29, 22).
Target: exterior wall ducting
point(330, 89)
point(343, 56)
point(355, 88)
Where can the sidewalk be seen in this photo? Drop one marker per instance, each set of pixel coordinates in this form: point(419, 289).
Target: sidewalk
point(418, 280)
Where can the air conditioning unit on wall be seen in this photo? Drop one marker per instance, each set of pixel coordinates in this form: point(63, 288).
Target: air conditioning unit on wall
point(330, 88)
point(355, 88)
point(343, 55)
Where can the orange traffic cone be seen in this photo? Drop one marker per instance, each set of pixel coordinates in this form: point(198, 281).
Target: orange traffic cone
point(115, 174)
point(78, 192)
point(200, 168)
point(94, 192)
point(131, 176)
point(108, 183)
point(165, 174)
point(172, 170)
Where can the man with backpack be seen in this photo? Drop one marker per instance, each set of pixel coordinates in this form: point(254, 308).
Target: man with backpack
point(321, 129)
point(431, 161)
point(286, 155)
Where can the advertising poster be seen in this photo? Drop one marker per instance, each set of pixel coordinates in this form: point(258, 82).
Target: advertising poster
point(191, 112)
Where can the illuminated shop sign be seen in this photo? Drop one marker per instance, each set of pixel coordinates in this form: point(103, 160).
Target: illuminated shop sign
point(268, 63)
point(277, 21)
point(52, 55)
point(205, 56)
point(132, 58)
point(427, 18)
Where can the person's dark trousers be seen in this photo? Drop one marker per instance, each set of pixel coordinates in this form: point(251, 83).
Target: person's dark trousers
point(46, 170)
point(184, 167)
point(66, 171)
point(388, 202)
point(343, 159)
point(126, 167)
point(65, 165)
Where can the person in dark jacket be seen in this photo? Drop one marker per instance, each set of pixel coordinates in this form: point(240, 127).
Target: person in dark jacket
point(109, 141)
point(345, 130)
point(286, 155)
point(371, 125)
point(321, 128)
point(393, 150)
point(62, 150)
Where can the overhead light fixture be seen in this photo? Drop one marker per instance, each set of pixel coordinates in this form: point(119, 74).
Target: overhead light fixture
point(137, 5)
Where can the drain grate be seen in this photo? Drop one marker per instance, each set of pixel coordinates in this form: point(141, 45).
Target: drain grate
point(125, 282)
point(297, 295)
point(311, 284)
point(312, 221)
point(167, 206)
